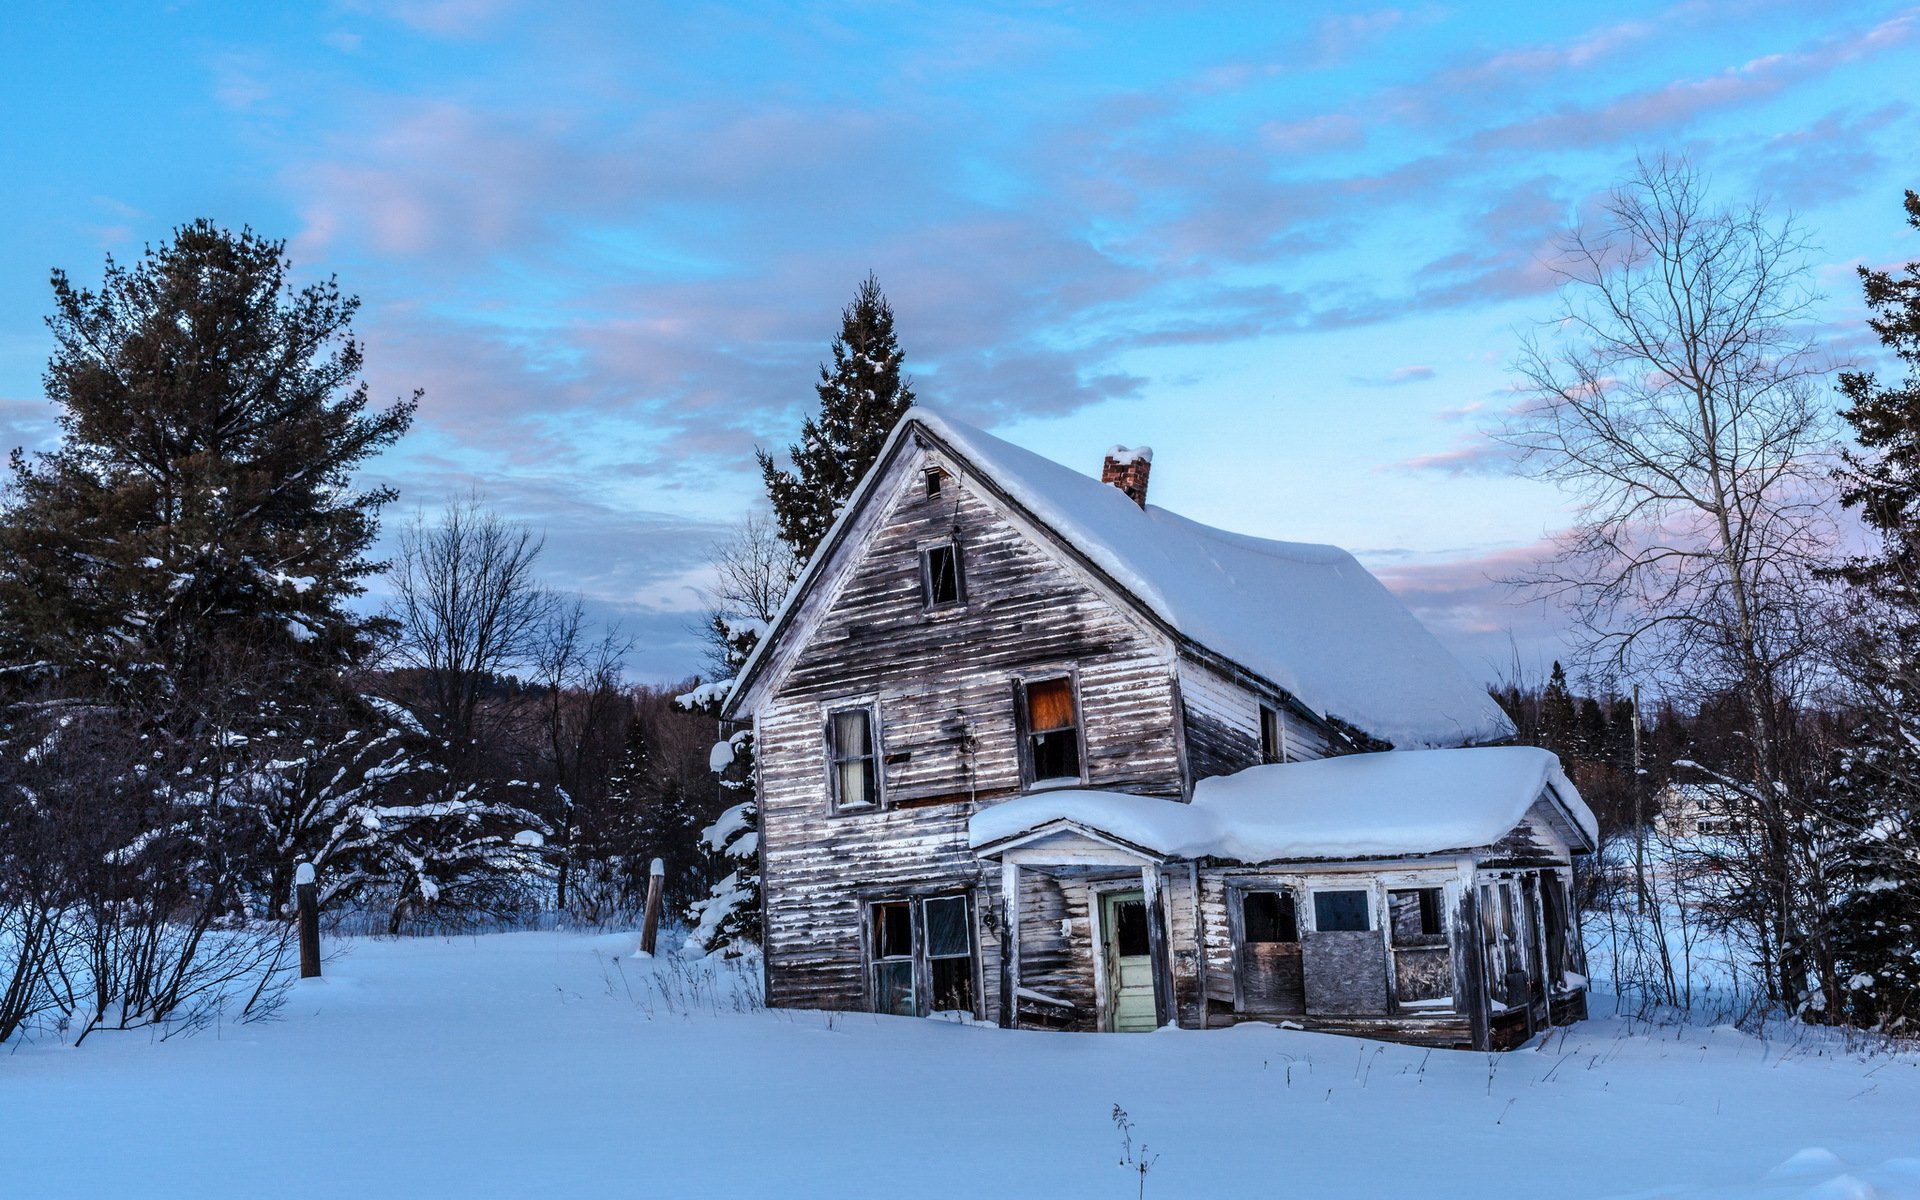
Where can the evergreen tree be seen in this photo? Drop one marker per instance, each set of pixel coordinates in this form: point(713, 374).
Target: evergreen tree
point(861, 399)
point(199, 512)
point(1557, 714)
point(728, 919)
point(1875, 817)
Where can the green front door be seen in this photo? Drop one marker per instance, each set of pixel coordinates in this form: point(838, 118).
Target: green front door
point(1123, 925)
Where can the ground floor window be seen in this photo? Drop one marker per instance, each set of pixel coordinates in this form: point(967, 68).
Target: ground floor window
point(1342, 911)
point(1269, 953)
point(922, 956)
point(1422, 960)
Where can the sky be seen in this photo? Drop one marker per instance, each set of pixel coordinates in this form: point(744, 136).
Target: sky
point(1292, 247)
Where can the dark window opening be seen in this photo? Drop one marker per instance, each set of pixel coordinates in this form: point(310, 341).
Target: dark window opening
point(940, 575)
point(1417, 915)
point(1269, 917)
point(850, 744)
point(1272, 745)
point(893, 960)
point(1130, 928)
point(935, 477)
point(1340, 912)
point(950, 953)
point(909, 937)
point(1053, 733)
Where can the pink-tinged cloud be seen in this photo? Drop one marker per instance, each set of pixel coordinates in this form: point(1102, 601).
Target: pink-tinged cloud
point(1473, 605)
point(1674, 105)
point(1397, 377)
point(1478, 456)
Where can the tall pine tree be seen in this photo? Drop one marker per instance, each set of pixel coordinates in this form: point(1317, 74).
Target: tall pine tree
point(199, 511)
point(1875, 847)
point(861, 399)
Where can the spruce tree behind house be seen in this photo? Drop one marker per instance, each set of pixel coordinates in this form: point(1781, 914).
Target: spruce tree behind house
point(861, 399)
point(1876, 805)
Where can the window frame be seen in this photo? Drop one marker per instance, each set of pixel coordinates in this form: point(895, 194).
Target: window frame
point(928, 601)
point(1273, 735)
point(1023, 724)
point(920, 951)
point(875, 756)
point(935, 480)
point(1373, 904)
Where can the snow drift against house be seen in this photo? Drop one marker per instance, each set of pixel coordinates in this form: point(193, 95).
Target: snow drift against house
point(1355, 806)
point(1308, 617)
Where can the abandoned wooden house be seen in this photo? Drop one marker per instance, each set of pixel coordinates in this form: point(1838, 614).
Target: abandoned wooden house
point(1035, 752)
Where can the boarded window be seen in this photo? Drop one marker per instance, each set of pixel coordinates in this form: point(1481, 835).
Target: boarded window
point(1341, 912)
point(950, 953)
point(1273, 746)
point(1269, 954)
point(850, 743)
point(892, 949)
point(1269, 917)
point(940, 575)
point(1053, 734)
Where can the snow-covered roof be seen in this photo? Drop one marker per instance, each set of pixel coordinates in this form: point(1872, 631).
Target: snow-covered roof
point(1309, 618)
point(1383, 805)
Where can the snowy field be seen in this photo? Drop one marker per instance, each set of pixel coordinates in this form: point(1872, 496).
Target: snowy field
point(537, 1064)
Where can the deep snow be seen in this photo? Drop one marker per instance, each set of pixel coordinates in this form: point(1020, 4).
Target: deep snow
point(536, 1064)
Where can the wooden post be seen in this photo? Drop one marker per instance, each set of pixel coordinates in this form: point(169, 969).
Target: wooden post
point(650, 924)
point(1010, 945)
point(306, 895)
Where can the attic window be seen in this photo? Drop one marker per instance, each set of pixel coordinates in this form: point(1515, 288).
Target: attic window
point(935, 477)
point(940, 575)
point(1273, 739)
point(1053, 729)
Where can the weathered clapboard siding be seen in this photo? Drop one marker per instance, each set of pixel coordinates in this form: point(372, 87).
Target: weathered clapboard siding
point(943, 684)
point(1222, 723)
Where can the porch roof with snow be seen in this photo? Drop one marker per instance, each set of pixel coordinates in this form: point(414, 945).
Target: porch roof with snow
point(1307, 618)
point(1392, 804)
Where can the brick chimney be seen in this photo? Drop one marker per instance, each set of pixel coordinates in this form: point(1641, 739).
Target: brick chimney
point(1128, 470)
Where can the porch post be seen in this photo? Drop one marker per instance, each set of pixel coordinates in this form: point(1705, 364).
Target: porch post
point(1010, 945)
point(1163, 1009)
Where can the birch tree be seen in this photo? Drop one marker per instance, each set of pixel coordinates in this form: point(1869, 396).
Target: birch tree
point(1678, 396)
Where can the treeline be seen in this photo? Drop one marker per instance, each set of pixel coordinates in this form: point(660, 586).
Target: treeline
point(195, 697)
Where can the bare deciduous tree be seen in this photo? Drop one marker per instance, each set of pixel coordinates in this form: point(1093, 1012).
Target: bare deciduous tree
point(1678, 398)
point(469, 611)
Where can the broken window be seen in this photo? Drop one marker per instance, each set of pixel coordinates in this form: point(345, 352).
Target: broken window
point(930, 939)
point(1269, 917)
point(850, 746)
point(940, 575)
point(1341, 912)
point(1422, 961)
point(935, 477)
point(893, 960)
point(1273, 744)
point(1053, 732)
point(1130, 929)
point(950, 953)
point(1269, 954)
point(1416, 915)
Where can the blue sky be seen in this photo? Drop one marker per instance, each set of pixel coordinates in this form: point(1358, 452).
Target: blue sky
point(1291, 247)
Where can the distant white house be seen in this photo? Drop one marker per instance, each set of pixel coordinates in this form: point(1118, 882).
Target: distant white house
point(1690, 811)
point(1034, 751)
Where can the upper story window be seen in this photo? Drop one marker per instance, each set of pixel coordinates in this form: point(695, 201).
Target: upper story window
point(1273, 739)
point(854, 763)
point(940, 579)
point(936, 479)
point(1052, 729)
